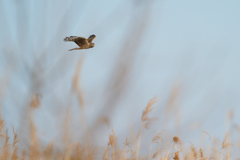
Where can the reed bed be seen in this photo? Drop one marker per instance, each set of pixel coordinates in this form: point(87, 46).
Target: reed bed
point(43, 77)
point(112, 150)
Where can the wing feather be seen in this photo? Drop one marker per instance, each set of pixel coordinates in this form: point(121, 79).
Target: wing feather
point(78, 40)
point(91, 38)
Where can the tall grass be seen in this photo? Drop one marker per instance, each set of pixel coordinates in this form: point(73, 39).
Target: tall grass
point(28, 145)
point(84, 150)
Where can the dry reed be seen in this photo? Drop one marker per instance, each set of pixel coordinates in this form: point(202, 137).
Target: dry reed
point(77, 151)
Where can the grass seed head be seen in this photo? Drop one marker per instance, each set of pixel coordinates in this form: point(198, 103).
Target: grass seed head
point(176, 155)
point(201, 152)
point(35, 103)
point(226, 142)
point(157, 138)
point(158, 151)
point(146, 121)
point(15, 140)
point(193, 150)
point(176, 139)
point(127, 143)
point(112, 139)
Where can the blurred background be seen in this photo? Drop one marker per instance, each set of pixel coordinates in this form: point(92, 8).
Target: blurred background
point(184, 52)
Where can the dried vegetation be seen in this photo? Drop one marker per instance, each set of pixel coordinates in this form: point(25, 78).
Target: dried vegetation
point(113, 151)
point(161, 145)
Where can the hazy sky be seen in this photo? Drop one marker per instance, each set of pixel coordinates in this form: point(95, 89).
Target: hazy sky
point(193, 45)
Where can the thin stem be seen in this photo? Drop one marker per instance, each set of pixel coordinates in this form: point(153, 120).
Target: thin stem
point(150, 152)
point(113, 151)
point(222, 154)
point(168, 151)
point(139, 142)
point(125, 152)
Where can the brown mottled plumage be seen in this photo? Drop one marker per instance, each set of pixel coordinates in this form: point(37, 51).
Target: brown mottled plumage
point(82, 42)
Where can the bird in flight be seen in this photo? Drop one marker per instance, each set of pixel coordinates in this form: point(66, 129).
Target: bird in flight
point(82, 42)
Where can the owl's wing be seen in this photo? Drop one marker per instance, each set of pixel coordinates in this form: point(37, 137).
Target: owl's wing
point(91, 38)
point(78, 40)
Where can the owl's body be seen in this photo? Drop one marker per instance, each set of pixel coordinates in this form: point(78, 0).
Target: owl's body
point(82, 42)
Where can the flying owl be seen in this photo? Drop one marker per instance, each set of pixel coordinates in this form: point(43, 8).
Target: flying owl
point(82, 42)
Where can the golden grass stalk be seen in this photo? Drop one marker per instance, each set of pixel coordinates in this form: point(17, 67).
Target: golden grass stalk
point(105, 155)
point(112, 142)
point(175, 140)
point(143, 158)
point(14, 146)
point(176, 155)
point(77, 151)
point(157, 153)
point(150, 152)
point(15, 140)
point(156, 139)
point(66, 128)
point(77, 89)
point(5, 154)
point(34, 146)
point(168, 151)
point(48, 152)
point(35, 103)
point(2, 124)
point(194, 152)
point(210, 139)
point(225, 144)
point(215, 154)
point(201, 153)
point(139, 142)
point(125, 148)
point(15, 154)
point(23, 154)
point(145, 121)
point(132, 157)
point(67, 153)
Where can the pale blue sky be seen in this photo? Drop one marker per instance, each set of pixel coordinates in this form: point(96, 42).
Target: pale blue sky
point(194, 44)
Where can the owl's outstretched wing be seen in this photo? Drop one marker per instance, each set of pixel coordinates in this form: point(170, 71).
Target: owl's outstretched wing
point(78, 40)
point(91, 38)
